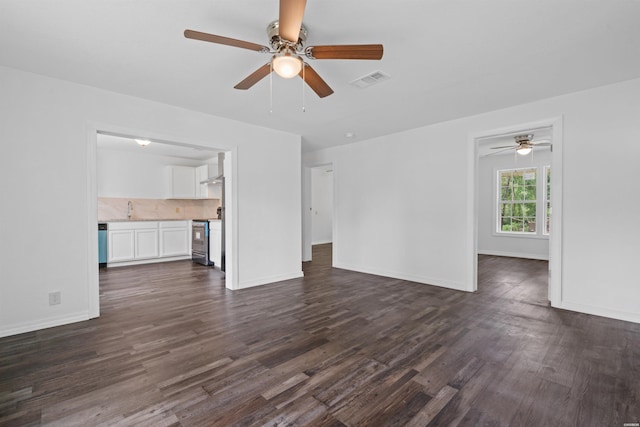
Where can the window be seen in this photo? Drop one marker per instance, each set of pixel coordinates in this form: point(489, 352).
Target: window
point(547, 197)
point(522, 200)
point(517, 201)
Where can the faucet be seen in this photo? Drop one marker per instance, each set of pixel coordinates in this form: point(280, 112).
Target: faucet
point(129, 209)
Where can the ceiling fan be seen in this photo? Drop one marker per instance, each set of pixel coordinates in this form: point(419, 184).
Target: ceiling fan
point(287, 37)
point(523, 145)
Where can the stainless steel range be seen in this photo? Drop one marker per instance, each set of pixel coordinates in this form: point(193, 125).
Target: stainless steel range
point(200, 242)
point(197, 255)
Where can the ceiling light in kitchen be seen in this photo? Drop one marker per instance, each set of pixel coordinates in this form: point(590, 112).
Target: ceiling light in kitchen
point(143, 142)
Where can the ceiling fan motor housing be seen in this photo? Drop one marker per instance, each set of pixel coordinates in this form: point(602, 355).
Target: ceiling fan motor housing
point(523, 139)
point(278, 43)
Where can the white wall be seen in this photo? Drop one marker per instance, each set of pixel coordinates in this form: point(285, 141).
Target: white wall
point(48, 136)
point(424, 234)
point(322, 205)
point(142, 175)
point(489, 242)
point(128, 174)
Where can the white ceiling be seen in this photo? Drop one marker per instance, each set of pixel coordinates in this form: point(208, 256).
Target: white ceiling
point(178, 151)
point(446, 58)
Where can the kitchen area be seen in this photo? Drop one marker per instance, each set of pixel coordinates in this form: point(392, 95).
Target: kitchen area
point(159, 202)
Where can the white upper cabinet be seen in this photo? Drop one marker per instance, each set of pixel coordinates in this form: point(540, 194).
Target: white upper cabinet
point(202, 174)
point(181, 182)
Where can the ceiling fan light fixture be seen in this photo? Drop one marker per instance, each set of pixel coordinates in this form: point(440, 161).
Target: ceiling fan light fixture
point(286, 65)
point(143, 142)
point(523, 150)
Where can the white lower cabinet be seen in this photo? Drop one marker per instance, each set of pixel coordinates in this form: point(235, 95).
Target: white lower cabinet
point(174, 238)
point(132, 241)
point(146, 243)
point(120, 244)
point(215, 242)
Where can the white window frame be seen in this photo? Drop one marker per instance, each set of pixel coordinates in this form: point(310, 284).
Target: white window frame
point(547, 200)
point(541, 203)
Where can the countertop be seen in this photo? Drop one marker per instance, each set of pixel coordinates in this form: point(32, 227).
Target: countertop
point(143, 220)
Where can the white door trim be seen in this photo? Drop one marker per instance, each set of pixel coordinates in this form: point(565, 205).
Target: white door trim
point(555, 239)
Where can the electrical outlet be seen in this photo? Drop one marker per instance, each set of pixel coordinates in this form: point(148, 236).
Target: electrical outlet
point(54, 298)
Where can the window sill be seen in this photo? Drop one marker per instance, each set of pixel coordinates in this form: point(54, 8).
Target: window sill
point(522, 235)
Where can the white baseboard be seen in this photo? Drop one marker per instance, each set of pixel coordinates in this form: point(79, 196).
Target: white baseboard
point(270, 279)
point(544, 257)
point(44, 324)
point(599, 311)
point(433, 281)
point(321, 242)
point(148, 261)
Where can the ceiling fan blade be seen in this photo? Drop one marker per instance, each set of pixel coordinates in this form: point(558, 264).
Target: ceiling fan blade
point(315, 82)
point(541, 144)
point(347, 51)
point(290, 19)
point(254, 77)
point(504, 146)
point(197, 35)
point(498, 152)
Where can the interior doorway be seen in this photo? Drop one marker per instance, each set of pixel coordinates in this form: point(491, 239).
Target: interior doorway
point(148, 183)
point(322, 205)
point(514, 191)
point(318, 210)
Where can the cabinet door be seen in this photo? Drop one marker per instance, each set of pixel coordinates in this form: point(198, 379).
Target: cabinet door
point(146, 243)
point(174, 241)
point(121, 243)
point(182, 183)
point(215, 243)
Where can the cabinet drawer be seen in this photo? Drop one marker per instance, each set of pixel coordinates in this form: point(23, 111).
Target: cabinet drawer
point(173, 224)
point(133, 225)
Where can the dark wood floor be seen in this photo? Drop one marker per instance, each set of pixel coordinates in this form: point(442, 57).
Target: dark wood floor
point(174, 347)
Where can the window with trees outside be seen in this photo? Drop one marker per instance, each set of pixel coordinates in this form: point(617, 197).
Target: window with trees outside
point(523, 203)
point(517, 201)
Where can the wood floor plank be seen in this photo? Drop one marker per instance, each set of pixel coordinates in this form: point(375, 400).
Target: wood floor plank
point(433, 408)
point(174, 347)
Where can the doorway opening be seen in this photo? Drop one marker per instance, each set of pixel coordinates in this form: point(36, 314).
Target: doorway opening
point(516, 233)
point(318, 236)
point(161, 186)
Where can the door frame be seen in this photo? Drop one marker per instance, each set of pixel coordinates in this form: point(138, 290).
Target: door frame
point(307, 221)
point(231, 161)
point(555, 238)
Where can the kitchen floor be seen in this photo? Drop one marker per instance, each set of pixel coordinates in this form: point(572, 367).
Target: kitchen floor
point(174, 347)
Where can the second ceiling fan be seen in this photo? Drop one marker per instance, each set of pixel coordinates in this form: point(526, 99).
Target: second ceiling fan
point(287, 37)
point(523, 145)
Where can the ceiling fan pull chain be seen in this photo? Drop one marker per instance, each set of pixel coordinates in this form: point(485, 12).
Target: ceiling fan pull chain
point(271, 87)
point(303, 82)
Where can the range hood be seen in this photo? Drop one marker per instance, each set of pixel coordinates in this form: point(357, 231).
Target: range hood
point(218, 178)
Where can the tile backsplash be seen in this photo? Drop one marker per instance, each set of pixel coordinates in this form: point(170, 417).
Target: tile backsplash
point(111, 208)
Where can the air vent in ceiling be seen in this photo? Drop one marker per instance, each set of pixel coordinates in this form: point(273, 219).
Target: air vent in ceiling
point(370, 79)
